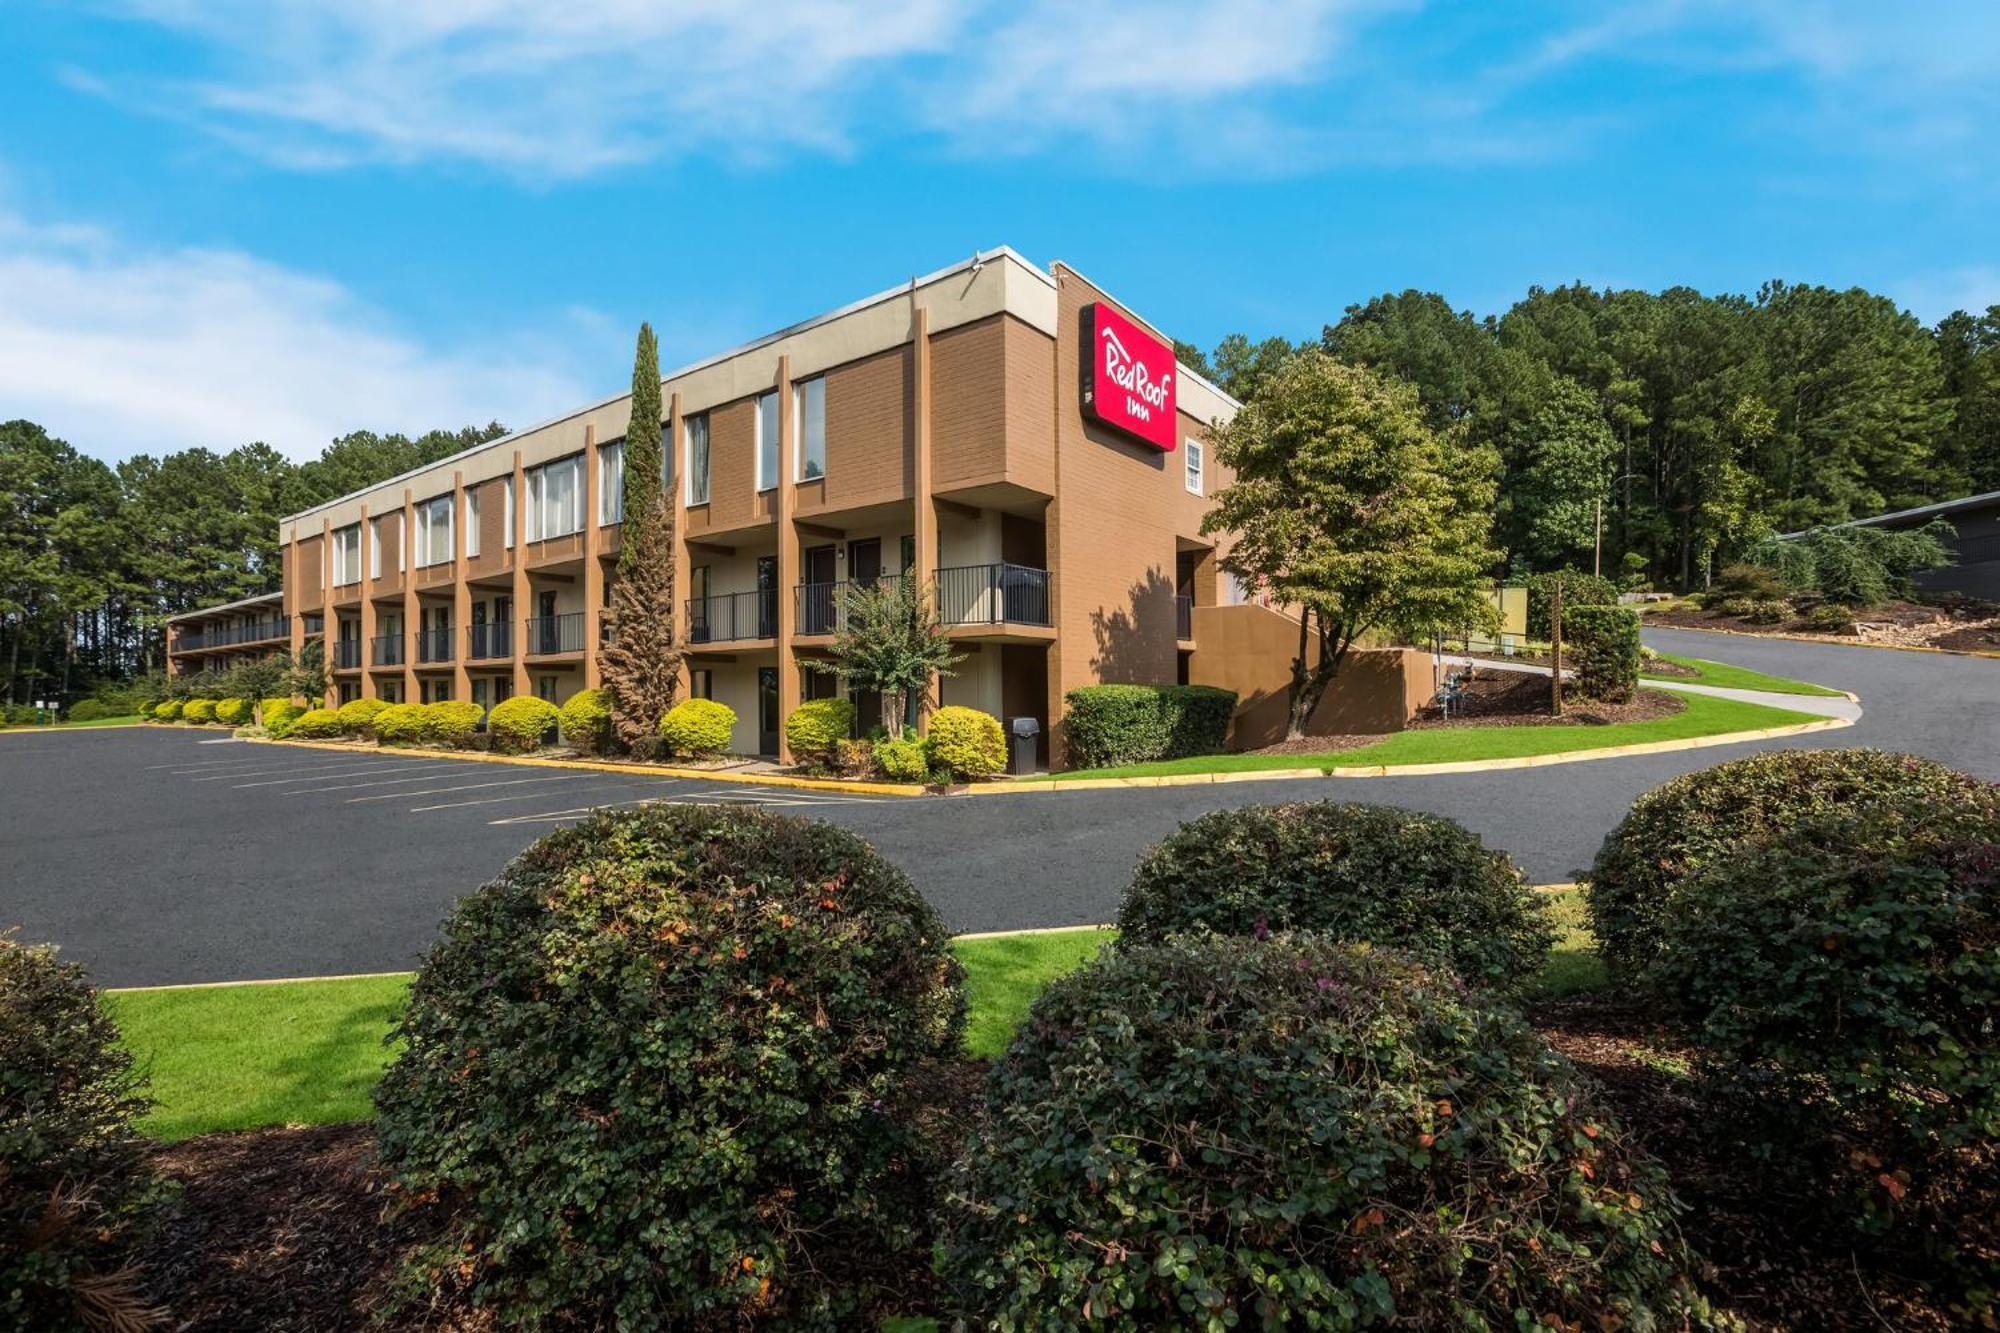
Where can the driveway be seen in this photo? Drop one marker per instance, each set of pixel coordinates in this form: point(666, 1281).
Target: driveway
point(164, 856)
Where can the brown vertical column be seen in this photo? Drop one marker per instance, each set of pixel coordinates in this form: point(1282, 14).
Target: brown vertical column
point(413, 610)
point(367, 608)
point(671, 448)
point(788, 558)
point(923, 506)
point(1052, 543)
point(461, 593)
point(593, 566)
point(517, 633)
point(291, 604)
point(328, 621)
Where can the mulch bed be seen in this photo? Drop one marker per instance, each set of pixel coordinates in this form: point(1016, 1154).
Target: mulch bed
point(1959, 624)
point(1496, 698)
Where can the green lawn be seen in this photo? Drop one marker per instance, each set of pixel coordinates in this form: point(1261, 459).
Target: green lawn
point(78, 726)
point(1705, 715)
point(308, 1052)
point(1738, 678)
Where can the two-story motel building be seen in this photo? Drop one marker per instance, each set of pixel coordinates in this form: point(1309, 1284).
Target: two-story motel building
point(1015, 438)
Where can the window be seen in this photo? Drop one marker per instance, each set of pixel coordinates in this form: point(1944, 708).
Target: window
point(611, 483)
point(767, 440)
point(809, 422)
point(507, 511)
point(555, 499)
point(545, 688)
point(701, 684)
point(434, 532)
point(697, 459)
point(1193, 449)
point(471, 524)
point(347, 556)
point(375, 548)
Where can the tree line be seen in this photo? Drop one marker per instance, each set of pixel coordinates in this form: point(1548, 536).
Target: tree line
point(95, 556)
point(1691, 426)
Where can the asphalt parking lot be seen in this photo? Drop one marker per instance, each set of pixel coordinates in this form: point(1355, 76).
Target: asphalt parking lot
point(168, 856)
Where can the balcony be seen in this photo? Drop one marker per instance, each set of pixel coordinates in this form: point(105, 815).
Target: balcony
point(549, 636)
point(228, 636)
point(1184, 616)
point(486, 642)
point(993, 595)
point(346, 654)
point(387, 650)
point(433, 645)
point(822, 607)
point(728, 617)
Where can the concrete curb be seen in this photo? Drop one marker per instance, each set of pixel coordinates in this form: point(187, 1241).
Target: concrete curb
point(48, 731)
point(1420, 770)
point(1828, 640)
point(605, 766)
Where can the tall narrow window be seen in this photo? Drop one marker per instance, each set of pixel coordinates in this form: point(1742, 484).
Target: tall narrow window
point(611, 483)
point(767, 440)
point(809, 421)
point(1194, 451)
point(374, 548)
point(347, 556)
point(697, 459)
point(471, 523)
point(434, 532)
point(507, 511)
point(555, 499)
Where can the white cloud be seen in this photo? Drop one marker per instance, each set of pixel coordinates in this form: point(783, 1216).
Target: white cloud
point(121, 350)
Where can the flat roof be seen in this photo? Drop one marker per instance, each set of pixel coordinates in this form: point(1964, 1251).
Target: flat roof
point(240, 604)
point(1938, 510)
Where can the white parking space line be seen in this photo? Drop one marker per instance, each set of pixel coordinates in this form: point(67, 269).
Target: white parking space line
point(194, 765)
point(757, 796)
point(468, 786)
point(430, 771)
point(500, 800)
point(334, 767)
point(430, 775)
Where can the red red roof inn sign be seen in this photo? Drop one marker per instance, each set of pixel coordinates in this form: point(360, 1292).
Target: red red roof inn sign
point(1130, 387)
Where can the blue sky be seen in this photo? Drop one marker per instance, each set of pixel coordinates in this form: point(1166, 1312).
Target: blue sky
point(283, 219)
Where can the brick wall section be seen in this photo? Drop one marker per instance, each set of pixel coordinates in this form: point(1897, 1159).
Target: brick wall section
point(968, 403)
point(732, 467)
point(493, 553)
point(869, 435)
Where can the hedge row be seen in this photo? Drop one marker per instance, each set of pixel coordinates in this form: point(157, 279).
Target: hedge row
point(1110, 725)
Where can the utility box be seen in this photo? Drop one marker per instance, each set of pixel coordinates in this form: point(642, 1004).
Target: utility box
point(1021, 734)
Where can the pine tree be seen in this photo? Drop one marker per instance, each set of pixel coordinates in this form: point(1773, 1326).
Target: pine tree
point(639, 660)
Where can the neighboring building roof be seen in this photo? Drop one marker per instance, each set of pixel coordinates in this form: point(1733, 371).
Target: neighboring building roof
point(241, 604)
point(1938, 510)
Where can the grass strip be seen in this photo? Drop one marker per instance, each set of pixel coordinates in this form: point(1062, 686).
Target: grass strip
point(1729, 677)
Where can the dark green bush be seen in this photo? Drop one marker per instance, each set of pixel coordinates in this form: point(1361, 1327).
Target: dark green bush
point(1363, 873)
point(1601, 643)
point(89, 710)
point(77, 1193)
point(1300, 1133)
point(1679, 828)
point(656, 1073)
point(1859, 566)
point(1831, 618)
point(1844, 971)
point(1109, 725)
point(1578, 590)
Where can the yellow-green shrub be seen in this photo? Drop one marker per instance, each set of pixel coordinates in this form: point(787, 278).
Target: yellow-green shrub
point(167, 710)
point(517, 725)
point(586, 720)
point(447, 723)
point(357, 716)
point(816, 727)
point(234, 712)
point(698, 727)
point(280, 714)
point(198, 710)
point(968, 742)
point(901, 760)
point(316, 724)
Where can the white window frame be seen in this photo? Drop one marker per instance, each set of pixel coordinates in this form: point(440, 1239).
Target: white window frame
point(507, 506)
point(610, 483)
point(471, 524)
point(375, 547)
point(437, 510)
point(695, 429)
point(548, 517)
point(809, 428)
point(347, 556)
point(1196, 465)
point(767, 441)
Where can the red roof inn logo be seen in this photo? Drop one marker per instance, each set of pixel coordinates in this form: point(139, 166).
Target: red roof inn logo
point(1130, 386)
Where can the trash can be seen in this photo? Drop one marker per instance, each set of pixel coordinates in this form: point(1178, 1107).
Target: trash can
point(1021, 734)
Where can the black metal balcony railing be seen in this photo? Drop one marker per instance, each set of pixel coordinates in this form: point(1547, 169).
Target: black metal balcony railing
point(493, 639)
point(346, 654)
point(1184, 616)
point(992, 595)
point(224, 636)
point(555, 634)
point(725, 617)
point(388, 650)
point(434, 645)
point(822, 607)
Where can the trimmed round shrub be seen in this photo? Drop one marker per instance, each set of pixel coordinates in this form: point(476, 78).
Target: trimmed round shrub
point(1108, 725)
point(1677, 829)
point(167, 710)
point(1361, 873)
point(521, 724)
point(233, 712)
point(317, 724)
point(1578, 590)
point(586, 720)
point(968, 742)
point(89, 710)
point(279, 715)
point(816, 728)
point(76, 1191)
point(657, 1074)
point(357, 716)
point(698, 727)
point(198, 710)
point(447, 724)
point(1298, 1132)
point(398, 724)
point(1602, 644)
point(1846, 969)
point(902, 760)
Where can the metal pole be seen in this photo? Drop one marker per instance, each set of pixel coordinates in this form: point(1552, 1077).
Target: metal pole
point(1556, 647)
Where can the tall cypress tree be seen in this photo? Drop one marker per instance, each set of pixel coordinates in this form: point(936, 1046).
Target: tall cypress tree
point(639, 659)
point(642, 450)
